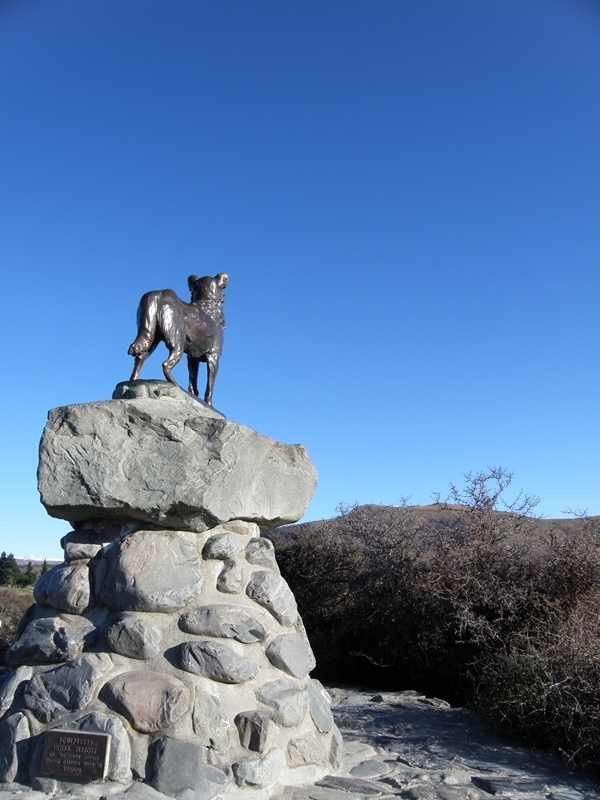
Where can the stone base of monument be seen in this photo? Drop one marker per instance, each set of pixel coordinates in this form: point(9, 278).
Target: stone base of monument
point(167, 649)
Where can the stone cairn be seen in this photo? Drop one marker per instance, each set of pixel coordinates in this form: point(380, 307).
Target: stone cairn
point(168, 626)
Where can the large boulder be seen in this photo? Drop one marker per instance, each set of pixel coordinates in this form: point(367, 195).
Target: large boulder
point(170, 460)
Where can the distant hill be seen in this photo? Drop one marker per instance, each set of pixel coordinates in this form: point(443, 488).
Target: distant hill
point(433, 520)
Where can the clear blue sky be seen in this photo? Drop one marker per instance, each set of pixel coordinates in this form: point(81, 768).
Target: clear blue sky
point(405, 193)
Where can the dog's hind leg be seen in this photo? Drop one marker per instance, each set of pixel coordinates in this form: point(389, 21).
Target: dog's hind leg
point(172, 361)
point(147, 314)
point(172, 325)
point(139, 361)
point(137, 365)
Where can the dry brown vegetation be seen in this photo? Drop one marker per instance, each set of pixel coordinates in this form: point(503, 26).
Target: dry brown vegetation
point(14, 603)
point(495, 609)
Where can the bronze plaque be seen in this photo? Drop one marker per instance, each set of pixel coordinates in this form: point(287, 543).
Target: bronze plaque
point(75, 755)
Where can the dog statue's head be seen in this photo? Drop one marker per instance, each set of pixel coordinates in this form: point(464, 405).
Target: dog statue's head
point(208, 288)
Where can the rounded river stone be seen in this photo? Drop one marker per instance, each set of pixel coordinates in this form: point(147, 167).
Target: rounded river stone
point(14, 746)
point(216, 661)
point(290, 653)
point(134, 637)
point(50, 640)
point(65, 587)
point(260, 772)
point(288, 703)
point(319, 707)
point(227, 622)
point(261, 553)
point(222, 545)
point(151, 701)
point(231, 578)
point(70, 687)
point(272, 592)
point(151, 571)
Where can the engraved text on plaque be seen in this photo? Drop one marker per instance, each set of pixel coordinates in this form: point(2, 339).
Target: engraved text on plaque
point(75, 755)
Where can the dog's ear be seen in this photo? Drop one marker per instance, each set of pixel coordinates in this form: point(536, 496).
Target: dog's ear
point(192, 280)
point(222, 278)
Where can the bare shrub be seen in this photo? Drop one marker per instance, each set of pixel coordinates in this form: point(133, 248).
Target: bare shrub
point(544, 683)
point(469, 600)
point(351, 584)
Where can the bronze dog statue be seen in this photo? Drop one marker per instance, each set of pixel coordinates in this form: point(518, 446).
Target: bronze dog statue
point(194, 328)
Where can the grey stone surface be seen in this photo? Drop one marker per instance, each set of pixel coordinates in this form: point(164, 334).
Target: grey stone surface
point(51, 640)
point(288, 703)
point(82, 544)
point(179, 766)
point(400, 746)
point(306, 749)
point(10, 684)
point(352, 785)
point(513, 785)
point(119, 763)
point(85, 535)
point(253, 728)
point(210, 721)
point(70, 687)
point(290, 653)
point(65, 587)
point(372, 768)
point(46, 785)
point(231, 578)
point(211, 782)
point(75, 551)
point(134, 637)
point(229, 622)
point(15, 791)
point(161, 389)
point(336, 750)
point(239, 526)
point(151, 701)
point(137, 791)
point(14, 746)
point(151, 571)
point(260, 772)
point(301, 631)
point(319, 707)
point(168, 461)
point(261, 553)
point(223, 546)
point(216, 661)
point(272, 592)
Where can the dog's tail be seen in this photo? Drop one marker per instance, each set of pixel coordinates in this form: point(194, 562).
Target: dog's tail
point(147, 316)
